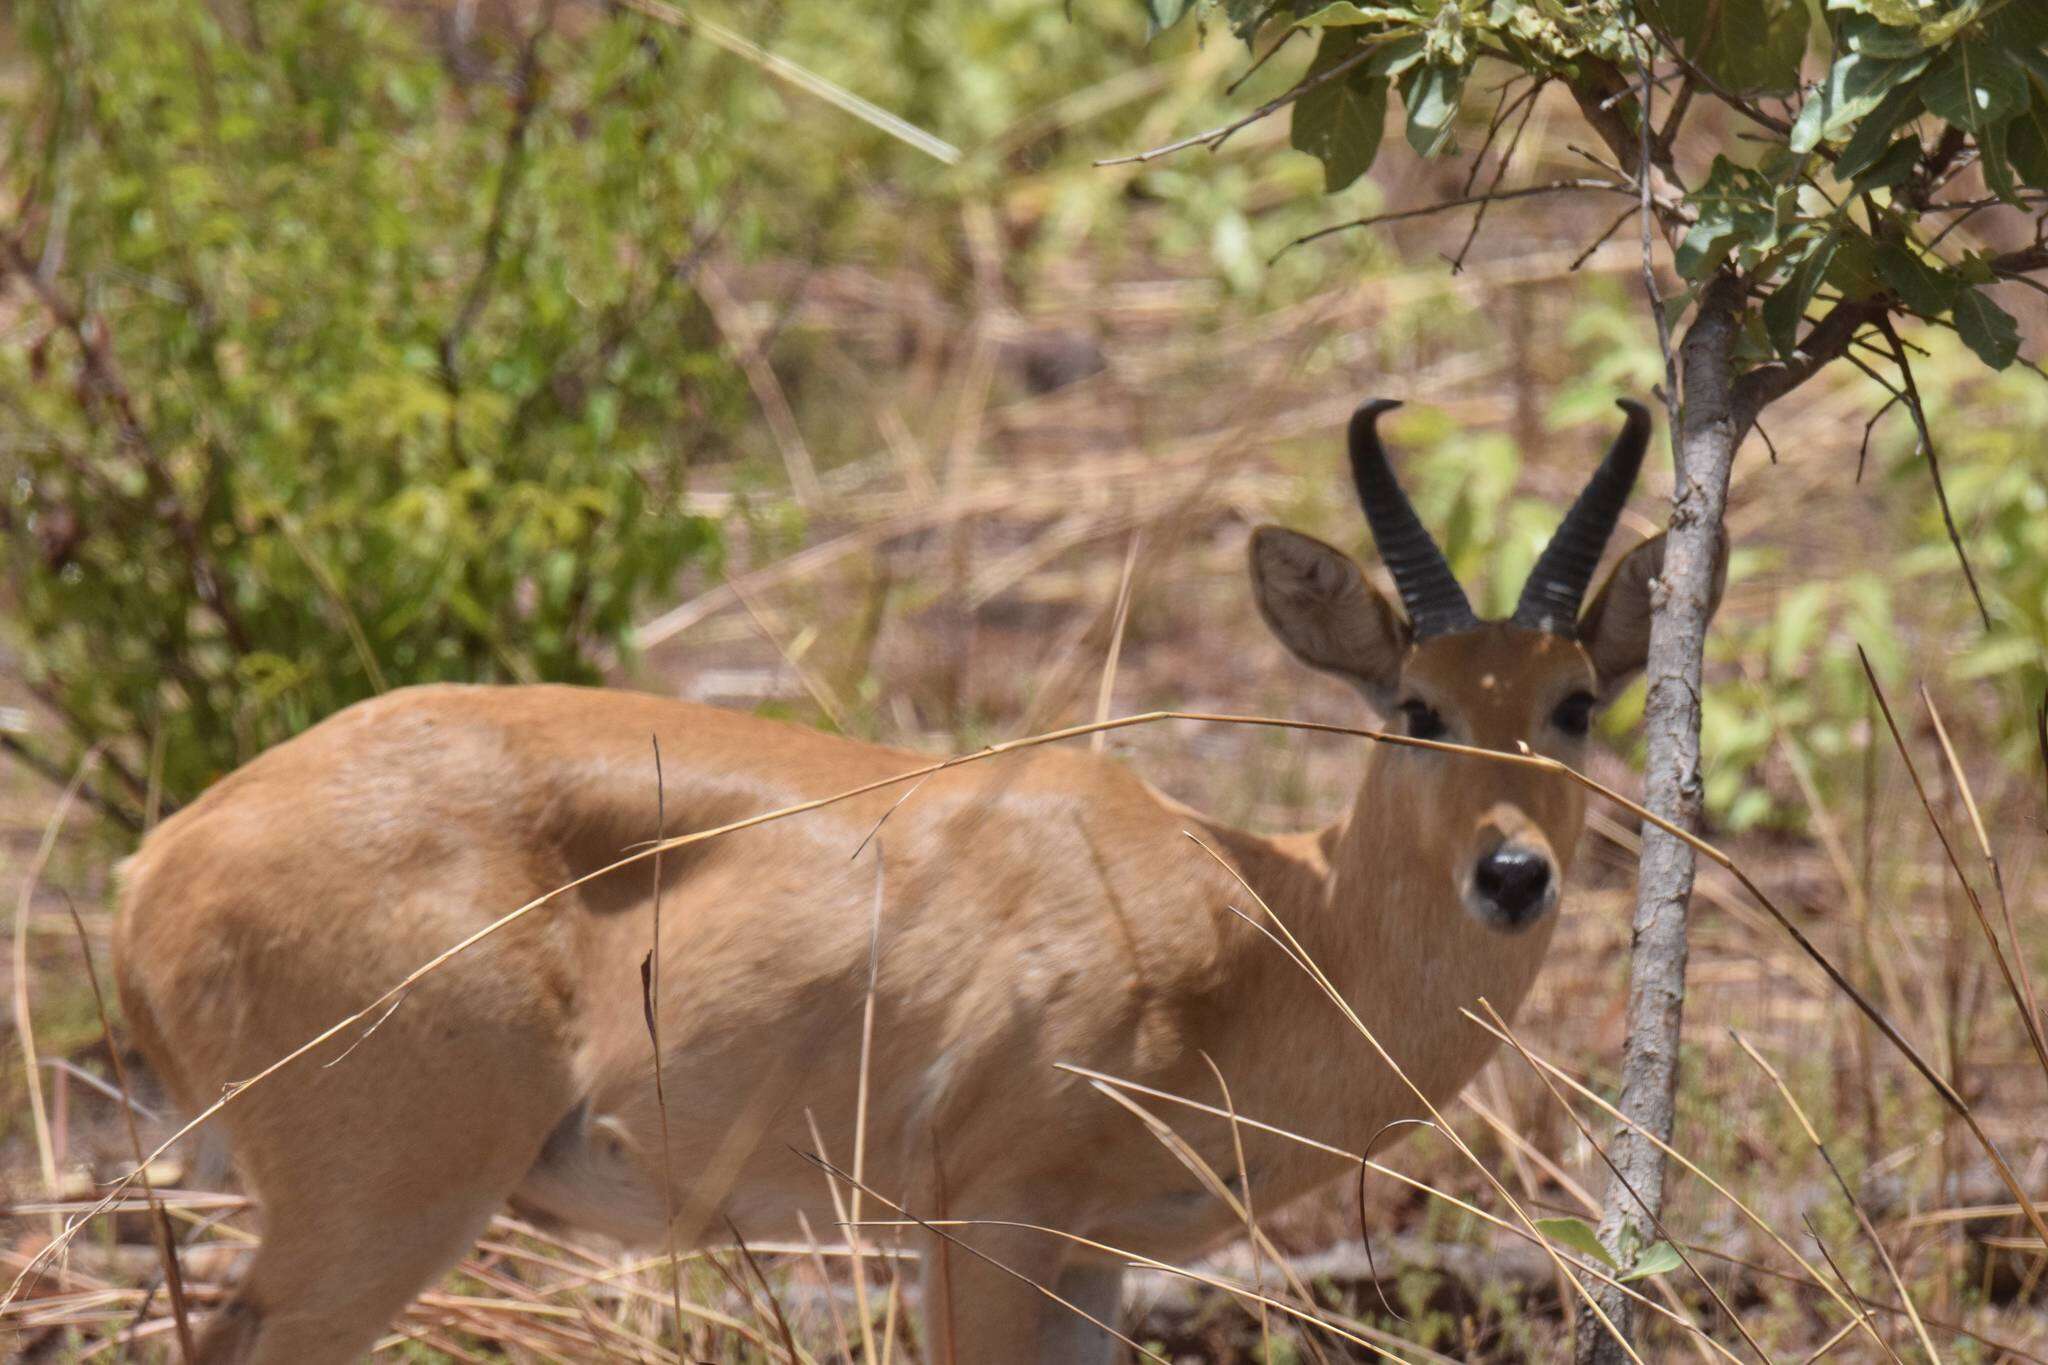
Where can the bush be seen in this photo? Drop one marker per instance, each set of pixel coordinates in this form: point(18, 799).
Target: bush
point(348, 366)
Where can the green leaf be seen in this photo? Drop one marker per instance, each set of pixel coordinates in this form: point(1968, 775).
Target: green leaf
point(1737, 207)
point(1891, 170)
point(1936, 32)
point(2026, 144)
point(1873, 37)
point(1431, 93)
point(1164, 14)
point(1786, 305)
point(1870, 140)
point(1854, 268)
point(1578, 1235)
point(1906, 13)
point(1924, 289)
point(1975, 87)
point(1996, 162)
point(1658, 1258)
point(1340, 122)
point(1748, 46)
point(1987, 329)
point(1854, 86)
point(1344, 14)
point(1392, 58)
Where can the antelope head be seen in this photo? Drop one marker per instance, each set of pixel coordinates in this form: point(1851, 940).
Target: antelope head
point(1503, 833)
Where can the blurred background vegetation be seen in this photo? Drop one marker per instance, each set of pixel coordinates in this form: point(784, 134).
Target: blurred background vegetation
point(354, 343)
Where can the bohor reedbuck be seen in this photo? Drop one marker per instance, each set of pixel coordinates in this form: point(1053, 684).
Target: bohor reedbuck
point(1044, 906)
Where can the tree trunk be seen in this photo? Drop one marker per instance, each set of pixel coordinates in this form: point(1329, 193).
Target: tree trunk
point(1710, 429)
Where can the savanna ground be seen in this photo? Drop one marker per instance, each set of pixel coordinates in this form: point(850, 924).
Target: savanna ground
point(995, 477)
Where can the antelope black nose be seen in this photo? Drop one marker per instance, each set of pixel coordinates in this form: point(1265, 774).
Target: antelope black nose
point(1514, 879)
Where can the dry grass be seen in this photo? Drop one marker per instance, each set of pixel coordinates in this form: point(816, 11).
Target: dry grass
point(986, 561)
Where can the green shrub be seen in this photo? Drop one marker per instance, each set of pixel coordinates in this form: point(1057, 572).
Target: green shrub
point(345, 370)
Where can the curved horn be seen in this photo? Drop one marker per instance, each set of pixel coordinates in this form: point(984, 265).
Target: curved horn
point(1436, 604)
point(1550, 599)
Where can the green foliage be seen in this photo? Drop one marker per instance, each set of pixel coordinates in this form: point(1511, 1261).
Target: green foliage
point(1796, 697)
point(1909, 91)
point(348, 373)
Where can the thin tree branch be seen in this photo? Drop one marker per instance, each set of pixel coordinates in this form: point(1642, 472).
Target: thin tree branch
point(1216, 136)
point(1919, 411)
point(1528, 101)
point(1446, 205)
point(526, 86)
point(53, 774)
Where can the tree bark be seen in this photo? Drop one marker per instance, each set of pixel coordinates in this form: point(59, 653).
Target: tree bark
point(1712, 421)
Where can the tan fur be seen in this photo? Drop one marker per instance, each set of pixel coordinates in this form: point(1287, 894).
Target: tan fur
point(1041, 907)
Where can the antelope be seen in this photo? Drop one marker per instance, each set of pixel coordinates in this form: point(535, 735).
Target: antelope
point(1042, 907)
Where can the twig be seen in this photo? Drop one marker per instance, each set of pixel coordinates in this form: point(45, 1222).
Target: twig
point(1602, 239)
point(1445, 206)
point(1948, 520)
point(1216, 136)
point(54, 775)
point(1528, 99)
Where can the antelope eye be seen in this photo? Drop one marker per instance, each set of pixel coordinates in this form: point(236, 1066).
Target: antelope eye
point(1574, 714)
point(1423, 720)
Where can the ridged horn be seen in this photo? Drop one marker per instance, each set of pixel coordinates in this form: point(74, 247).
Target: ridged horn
point(1436, 604)
point(1550, 599)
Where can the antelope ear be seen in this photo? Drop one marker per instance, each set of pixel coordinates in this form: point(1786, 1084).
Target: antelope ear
point(1316, 600)
point(1615, 629)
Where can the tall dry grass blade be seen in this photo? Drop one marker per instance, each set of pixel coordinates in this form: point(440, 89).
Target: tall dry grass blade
point(1656, 1220)
point(767, 1289)
point(1848, 1287)
point(2012, 933)
point(860, 1108)
point(1251, 1217)
point(1969, 893)
point(1884, 1254)
point(803, 79)
point(159, 1221)
point(820, 692)
point(824, 1276)
point(650, 1000)
point(1116, 642)
point(726, 312)
point(24, 1020)
point(855, 1251)
point(1835, 1338)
